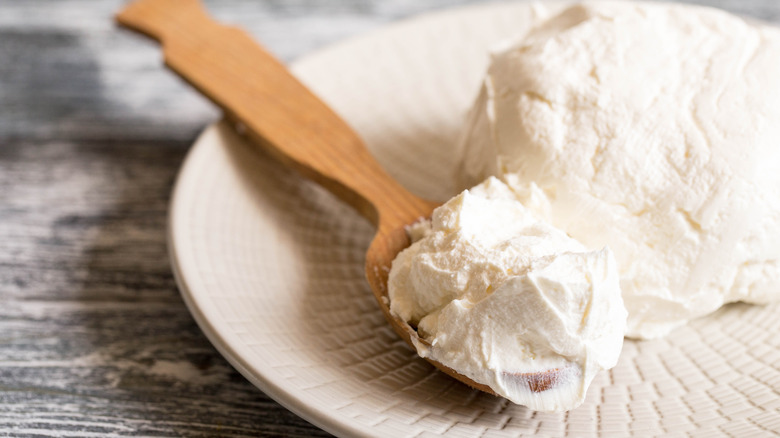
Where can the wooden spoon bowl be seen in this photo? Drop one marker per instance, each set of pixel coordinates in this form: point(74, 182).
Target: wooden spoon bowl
point(282, 116)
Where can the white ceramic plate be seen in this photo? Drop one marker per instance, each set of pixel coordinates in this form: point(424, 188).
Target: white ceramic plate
point(271, 267)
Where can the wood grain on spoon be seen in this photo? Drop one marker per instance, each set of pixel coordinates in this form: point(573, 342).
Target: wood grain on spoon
point(286, 119)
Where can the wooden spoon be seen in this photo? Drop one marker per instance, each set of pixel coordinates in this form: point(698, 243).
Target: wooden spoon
point(282, 116)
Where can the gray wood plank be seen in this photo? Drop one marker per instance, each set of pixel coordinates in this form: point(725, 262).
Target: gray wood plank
point(95, 338)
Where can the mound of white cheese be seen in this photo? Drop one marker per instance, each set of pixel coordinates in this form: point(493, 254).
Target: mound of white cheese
point(653, 129)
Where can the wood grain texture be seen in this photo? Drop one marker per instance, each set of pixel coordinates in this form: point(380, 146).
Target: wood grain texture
point(95, 338)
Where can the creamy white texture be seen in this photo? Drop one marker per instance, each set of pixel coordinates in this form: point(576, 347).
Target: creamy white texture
point(652, 129)
point(510, 301)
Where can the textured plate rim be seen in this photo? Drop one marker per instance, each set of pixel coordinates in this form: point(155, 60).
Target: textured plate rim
point(278, 393)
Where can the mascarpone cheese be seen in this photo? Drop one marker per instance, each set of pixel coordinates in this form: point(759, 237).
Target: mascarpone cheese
point(510, 301)
point(653, 129)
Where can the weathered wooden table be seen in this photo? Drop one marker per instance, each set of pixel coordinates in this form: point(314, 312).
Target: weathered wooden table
point(94, 338)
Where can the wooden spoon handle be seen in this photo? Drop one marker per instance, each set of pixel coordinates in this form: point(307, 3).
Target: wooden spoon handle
point(278, 112)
